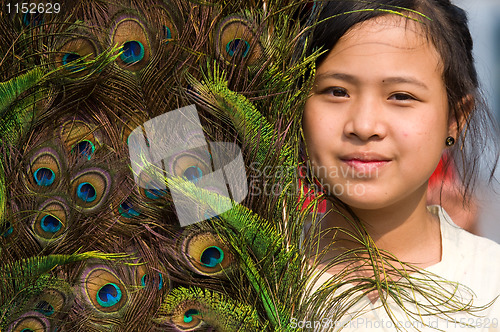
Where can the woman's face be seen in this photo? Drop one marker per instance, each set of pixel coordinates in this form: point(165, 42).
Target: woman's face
point(377, 119)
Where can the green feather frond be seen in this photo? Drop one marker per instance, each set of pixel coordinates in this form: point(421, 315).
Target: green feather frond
point(18, 108)
point(12, 89)
point(290, 84)
point(94, 66)
point(194, 306)
point(249, 122)
point(263, 284)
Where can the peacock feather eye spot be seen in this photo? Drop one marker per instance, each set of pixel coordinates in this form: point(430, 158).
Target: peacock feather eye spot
point(30, 321)
point(70, 57)
point(205, 253)
point(8, 232)
point(168, 33)
point(131, 35)
point(193, 173)
point(104, 290)
point(126, 206)
point(212, 256)
point(45, 308)
point(86, 192)
point(44, 177)
point(143, 280)
point(84, 148)
point(234, 46)
point(126, 209)
point(44, 170)
point(27, 330)
point(109, 295)
point(78, 136)
point(233, 39)
point(160, 285)
point(90, 188)
point(50, 224)
point(188, 315)
point(133, 51)
point(146, 280)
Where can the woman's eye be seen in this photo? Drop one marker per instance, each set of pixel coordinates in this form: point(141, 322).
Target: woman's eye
point(402, 97)
point(337, 92)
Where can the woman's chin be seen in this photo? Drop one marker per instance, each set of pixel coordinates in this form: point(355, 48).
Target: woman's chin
point(369, 200)
point(365, 203)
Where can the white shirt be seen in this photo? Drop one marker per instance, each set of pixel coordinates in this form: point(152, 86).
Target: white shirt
point(471, 260)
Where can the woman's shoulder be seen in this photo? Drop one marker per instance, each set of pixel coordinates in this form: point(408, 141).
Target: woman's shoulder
point(457, 240)
point(467, 258)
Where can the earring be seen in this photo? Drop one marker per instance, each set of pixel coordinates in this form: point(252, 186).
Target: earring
point(450, 141)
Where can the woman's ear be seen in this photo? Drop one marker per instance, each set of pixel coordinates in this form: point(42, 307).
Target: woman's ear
point(460, 115)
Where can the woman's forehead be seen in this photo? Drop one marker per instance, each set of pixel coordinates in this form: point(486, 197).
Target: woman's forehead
point(390, 32)
point(385, 22)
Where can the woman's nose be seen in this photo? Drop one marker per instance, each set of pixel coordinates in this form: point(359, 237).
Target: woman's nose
point(365, 120)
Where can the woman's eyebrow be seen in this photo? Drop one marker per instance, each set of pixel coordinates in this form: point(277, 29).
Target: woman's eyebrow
point(339, 76)
point(405, 80)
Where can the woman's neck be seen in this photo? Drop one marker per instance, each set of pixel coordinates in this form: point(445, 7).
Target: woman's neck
point(408, 231)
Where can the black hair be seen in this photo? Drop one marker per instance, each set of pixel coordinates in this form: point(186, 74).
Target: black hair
point(446, 26)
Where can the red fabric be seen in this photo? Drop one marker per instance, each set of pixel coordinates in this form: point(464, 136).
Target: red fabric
point(441, 175)
point(309, 193)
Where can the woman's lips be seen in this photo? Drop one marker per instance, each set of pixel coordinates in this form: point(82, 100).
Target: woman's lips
point(366, 165)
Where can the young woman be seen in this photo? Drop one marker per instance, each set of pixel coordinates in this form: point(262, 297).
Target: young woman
point(391, 94)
